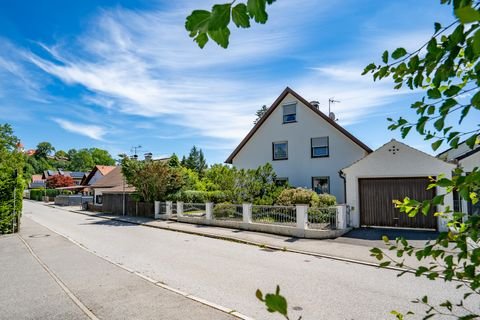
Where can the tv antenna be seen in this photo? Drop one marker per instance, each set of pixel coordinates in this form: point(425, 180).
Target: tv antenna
point(331, 101)
point(134, 150)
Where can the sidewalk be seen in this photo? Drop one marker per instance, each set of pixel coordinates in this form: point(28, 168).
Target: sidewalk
point(343, 248)
point(68, 282)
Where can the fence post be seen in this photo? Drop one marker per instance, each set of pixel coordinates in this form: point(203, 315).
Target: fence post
point(168, 207)
point(209, 210)
point(302, 216)
point(179, 209)
point(157, 209)
point(341, 216)
point(247, 212)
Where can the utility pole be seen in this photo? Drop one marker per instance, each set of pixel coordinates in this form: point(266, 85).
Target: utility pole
point(15, 175)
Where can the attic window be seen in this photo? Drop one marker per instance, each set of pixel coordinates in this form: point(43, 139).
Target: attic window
point(290, 113)
point(394, 150)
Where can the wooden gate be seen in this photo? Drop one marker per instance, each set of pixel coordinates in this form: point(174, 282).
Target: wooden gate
point(376, 202)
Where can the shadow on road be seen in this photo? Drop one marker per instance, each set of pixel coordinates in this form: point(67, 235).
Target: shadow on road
point(378, 233)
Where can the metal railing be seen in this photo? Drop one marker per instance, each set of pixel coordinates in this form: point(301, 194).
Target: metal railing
point(196, 210)
point(322, 217)
point(281, 215)
point(225, 211)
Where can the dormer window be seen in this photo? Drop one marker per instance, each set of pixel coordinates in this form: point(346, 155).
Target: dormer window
point(290, 112)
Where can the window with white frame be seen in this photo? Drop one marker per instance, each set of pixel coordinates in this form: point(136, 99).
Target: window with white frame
point(320, 147)
point(321, 184)
point(280, 150)
point(290, 112)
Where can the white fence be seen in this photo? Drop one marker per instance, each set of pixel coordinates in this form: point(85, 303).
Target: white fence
point(298, 220)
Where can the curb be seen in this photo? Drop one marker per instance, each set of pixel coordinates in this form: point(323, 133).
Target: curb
point(157, 283)
point(249, 242)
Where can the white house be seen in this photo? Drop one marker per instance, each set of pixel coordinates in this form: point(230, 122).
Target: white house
point(304, 146)
point(393, 172)
point(467, 159)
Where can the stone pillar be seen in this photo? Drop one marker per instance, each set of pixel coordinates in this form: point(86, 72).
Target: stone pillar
point(247, 213)
point(209, 210)
point(157, 209)
point(179, 209)
point(341, 216)
point(302, 216)
point(169, 206)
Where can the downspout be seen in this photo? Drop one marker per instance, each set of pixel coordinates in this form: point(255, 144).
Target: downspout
point(342, 176)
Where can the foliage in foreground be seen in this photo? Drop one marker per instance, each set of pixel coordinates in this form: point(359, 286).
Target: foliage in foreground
point(11, 182)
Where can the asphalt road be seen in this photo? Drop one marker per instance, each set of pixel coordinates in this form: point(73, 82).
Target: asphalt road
point(228, 273)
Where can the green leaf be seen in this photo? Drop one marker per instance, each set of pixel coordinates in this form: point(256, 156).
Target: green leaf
point(476, 42)
point(276, 303)
point(220, 17)
point(385, 56)
point(240, 16)
point(398, 53)
point(202, 40)
point(472, 141)
point(259, 295)
point(439, 124)
point(467, 14)
point(436, 144)
point(368, 68)
point(256, 10)
point(197, 22)
point(220, 36)
point(434, 93)
point(451, 91)
point(476, 100)
point(437, 26)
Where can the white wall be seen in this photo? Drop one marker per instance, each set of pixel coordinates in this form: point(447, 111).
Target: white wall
point(300, 167)
point(470, 162)
point(406, 162)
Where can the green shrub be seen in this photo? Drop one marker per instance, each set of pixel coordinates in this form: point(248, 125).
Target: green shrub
point(225, 210)
point(195, 196)
point(37, 194)
point(292, 196)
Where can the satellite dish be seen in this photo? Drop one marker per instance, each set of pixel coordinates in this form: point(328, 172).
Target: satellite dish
point(332, 116)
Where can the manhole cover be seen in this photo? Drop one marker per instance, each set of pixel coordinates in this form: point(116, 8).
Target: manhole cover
point(39, 236)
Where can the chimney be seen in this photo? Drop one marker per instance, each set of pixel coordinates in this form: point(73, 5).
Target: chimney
point(148, 156)
point(315, 104)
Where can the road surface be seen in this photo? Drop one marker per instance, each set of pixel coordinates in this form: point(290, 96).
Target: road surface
point(229, 273)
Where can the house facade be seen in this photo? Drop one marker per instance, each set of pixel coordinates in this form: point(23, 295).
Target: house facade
point(305, 147)
point(393, 172)
point(467, 159)
point(113, 181)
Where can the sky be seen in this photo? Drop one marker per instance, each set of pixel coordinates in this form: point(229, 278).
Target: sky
point(119, 74)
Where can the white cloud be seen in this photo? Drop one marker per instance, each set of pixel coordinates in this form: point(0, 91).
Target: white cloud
point(91, 131)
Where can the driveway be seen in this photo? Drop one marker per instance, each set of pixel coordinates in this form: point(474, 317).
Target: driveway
point(372, 237)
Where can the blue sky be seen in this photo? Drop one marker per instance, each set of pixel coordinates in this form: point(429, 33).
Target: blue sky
point(116, 74)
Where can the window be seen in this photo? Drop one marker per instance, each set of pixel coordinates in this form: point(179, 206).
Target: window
point(280, 150)
point(320, 147)
point(99, 199)
point(281, 181)
point(321, 184)
point(290, 113)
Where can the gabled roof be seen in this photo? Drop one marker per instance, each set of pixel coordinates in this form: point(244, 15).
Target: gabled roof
point(308, 105)
point(463, 155)
point(113, 179)
point(104, 170)
point(368, 156)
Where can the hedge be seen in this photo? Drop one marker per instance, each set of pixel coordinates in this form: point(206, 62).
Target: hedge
point(38, 194)
point(194, 196)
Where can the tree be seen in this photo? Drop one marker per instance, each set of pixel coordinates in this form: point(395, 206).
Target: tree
point(173, 161)
point(61, 155)
point(81, 160)
point(260, 112)
point(11, 182)
point(153, 180)
point(60, 181)
point(44, 150)
point(195, 161)
point(101, 157)
point(447, 69)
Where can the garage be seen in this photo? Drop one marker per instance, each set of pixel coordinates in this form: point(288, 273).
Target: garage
point(376, 197)
point(392, 172)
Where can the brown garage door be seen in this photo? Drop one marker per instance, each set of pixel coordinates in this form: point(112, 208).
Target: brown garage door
point(377, 209)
